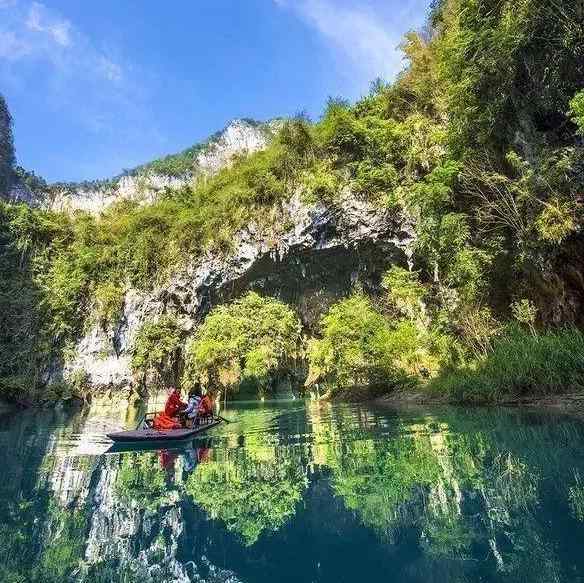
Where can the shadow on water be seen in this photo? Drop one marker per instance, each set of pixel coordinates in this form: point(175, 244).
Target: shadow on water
point(296, 491)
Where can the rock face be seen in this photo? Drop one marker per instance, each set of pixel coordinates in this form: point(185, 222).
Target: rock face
point(313, 255)
point(239, 137)
point(321, 255)
point(21, 193)
point(142, 188)
point(144, 185)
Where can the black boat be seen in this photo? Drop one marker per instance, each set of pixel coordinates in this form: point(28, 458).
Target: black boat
point(145, 432)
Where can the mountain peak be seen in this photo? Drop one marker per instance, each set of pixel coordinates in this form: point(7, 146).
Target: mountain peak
point(241, 136)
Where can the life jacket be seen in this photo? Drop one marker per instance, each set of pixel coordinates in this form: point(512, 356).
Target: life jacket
point(206, 406)
point(162, 422)
point(167, 419)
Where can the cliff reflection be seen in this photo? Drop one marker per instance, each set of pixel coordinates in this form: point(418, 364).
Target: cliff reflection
point(452, 496)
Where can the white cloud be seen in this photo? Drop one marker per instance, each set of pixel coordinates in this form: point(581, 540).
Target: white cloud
point(40, 20)
point(110, 70)
point(32, 31)
point(366, 45)
point(73, 72)
point(12, 48)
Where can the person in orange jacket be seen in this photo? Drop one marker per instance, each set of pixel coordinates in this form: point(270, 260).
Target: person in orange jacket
point(174, 404)
point(206, 405)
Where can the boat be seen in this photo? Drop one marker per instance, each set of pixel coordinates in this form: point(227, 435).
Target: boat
point(176, 446)
point(145, 432)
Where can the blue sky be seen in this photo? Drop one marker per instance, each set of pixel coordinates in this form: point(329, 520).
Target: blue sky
point(95, 87)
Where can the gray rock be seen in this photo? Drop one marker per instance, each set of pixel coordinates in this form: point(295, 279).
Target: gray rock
point(321, 255)
point(240, 137)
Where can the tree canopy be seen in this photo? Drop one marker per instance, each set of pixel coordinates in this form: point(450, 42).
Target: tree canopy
point(7, 156)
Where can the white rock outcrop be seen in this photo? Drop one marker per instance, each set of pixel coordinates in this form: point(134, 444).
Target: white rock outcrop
point(336, 232)
point(240, 137)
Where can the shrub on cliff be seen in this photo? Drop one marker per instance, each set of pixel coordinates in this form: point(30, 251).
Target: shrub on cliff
point(251, 339)
point(156, 350)
point(358, 346)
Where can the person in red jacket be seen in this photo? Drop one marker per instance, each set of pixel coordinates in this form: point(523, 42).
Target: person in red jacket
point(174, 404)
point(168, 418)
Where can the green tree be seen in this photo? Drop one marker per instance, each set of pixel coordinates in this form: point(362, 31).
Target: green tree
point(157, 349)
point(252, 339)
point(358, 346)
point(405, 292)
point(7, 157)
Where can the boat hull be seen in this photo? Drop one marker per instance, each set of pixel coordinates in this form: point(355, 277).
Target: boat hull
point(154, 436)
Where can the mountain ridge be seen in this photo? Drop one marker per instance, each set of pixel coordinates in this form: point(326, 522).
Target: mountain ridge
point(241, 136)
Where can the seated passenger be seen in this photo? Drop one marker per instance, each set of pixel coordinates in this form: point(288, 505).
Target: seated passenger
point(174, 405)
point(192, 408)
point(206, 405)
point(168, 418)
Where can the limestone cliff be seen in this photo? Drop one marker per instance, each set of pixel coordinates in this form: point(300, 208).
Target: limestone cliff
point(310, 256)
point(145, 183)
point(323, 252)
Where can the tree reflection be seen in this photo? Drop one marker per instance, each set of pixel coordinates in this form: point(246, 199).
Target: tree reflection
point(140, 481)
point(455, 496)
point(40, 542)
point(462, 495)
point(251, 490)
point(576, 496)
point(375, 478)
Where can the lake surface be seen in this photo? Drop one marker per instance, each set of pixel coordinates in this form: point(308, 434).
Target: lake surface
point(296, 491)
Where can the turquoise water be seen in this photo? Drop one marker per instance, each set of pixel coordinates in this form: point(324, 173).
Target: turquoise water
point(296, 492)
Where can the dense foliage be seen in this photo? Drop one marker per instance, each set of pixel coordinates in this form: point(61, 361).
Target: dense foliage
point(250, 340)
point(33, 319)
point(7, 157)
point(519, 365)
point(364, 343)
point(492, 171)
point(479, 141)
point(359, 346)
point(156, 350)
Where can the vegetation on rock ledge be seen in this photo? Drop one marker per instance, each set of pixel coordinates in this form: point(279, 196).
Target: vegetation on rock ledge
point(251, 341)
point(479, 140)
